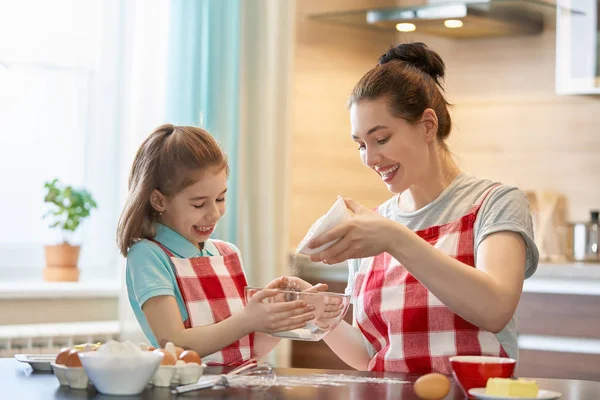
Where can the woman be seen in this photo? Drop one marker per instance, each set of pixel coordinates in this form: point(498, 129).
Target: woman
point(438, 269)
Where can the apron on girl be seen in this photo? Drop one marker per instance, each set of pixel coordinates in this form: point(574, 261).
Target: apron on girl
point(408, 327)
point(213, 289)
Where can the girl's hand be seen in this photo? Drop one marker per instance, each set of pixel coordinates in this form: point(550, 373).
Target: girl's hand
point(367, 234)
point(275, 317)
point(328, 310)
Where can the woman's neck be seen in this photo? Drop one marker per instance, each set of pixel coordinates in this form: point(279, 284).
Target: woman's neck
point(441, 173)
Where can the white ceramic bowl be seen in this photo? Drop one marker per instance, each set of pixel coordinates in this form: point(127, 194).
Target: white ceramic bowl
point(120, 374)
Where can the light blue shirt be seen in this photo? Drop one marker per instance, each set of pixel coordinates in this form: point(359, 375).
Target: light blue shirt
point(150, 273)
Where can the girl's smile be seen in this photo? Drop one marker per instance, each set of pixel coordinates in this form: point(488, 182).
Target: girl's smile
point(195, 211)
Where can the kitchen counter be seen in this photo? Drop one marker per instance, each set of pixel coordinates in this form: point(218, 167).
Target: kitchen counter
point(20, 382)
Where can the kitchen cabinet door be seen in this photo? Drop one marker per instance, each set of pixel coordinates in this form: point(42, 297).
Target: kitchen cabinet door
point(577, 47)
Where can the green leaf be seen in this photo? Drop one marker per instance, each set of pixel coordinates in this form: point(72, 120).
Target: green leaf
point(70, 205)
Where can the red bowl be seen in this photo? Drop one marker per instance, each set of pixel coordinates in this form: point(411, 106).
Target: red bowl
point(474, 371)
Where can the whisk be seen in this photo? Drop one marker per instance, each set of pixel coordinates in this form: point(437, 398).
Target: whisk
point(251, 368)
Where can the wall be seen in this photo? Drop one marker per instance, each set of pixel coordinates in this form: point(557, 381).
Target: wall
point(45, 311)
point(329, 60)
point(509, 125)
point(512, 127)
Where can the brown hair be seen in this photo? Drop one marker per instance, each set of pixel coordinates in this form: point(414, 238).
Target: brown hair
point(408, 76)
point(164, 161)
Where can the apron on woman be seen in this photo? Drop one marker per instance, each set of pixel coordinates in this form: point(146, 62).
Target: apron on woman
point(408, 327)
point(213, 289)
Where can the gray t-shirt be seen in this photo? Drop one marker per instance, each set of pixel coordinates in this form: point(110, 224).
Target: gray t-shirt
point(504, 209)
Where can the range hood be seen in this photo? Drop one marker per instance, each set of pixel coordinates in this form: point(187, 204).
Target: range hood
point(457, 19)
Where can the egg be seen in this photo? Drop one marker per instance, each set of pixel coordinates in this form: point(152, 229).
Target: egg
point(432, 386)
point(73, 359)
point(178, 351)
point(61, 357)
point(168, 358)
point(190, 356)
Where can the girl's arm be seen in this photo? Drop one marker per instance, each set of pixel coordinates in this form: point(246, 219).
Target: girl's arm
point(166, 322)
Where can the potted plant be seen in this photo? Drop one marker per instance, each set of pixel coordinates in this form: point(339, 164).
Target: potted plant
point(69, 207)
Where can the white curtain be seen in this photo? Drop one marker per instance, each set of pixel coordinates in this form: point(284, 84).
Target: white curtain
point(267, 50)
point(268, 28)
point(143, 106)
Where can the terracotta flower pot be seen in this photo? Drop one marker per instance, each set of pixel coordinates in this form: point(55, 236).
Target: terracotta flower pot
point(61, 263)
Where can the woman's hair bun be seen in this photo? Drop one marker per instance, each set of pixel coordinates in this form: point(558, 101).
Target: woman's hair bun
point(418, 55)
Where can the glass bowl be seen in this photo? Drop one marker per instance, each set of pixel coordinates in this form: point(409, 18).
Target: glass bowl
point(330, 309)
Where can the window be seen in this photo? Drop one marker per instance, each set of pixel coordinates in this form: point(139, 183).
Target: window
point(59, 117)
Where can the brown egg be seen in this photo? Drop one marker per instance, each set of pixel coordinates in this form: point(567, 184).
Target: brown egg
point(63, 354)
point(178, 351)
point(151, 348)
point(168, 358)
point(73, 359)
point(190, 356)
point(432, 386)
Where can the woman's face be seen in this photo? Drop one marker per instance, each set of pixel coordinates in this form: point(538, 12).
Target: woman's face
point(395, 149)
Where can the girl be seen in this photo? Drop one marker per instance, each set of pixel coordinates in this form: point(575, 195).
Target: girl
point(438, 269)
point(183, 286)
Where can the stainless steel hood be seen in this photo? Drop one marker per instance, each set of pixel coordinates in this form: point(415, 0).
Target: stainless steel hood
point(457, 19)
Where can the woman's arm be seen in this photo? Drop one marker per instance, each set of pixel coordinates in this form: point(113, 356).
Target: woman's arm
point(486, 296)
point(166, 322)
point(347, 342)
point(263, 344)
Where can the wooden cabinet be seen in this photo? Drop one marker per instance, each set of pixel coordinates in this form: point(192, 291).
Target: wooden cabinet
point(318, 354)
point(578, 47)
point(559, 336)
point(559, 315)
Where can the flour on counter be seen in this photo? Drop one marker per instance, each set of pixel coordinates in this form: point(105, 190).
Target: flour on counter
point(310, 380)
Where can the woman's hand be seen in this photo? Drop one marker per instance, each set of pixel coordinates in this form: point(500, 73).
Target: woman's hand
point(275, 317)
point(367, 234)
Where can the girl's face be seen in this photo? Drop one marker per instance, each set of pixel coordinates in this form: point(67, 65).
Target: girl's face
point(195, 211)
point(395, 149)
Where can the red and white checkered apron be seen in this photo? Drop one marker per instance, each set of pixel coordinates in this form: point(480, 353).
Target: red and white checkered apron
point(409, 328)
point(213, 289)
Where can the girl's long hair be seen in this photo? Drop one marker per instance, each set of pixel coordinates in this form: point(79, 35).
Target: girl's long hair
point(164, 161)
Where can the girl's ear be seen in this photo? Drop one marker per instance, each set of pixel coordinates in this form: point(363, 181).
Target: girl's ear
point(158, 201)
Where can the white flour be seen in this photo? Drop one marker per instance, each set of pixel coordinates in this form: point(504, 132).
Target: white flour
point(308, 380)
